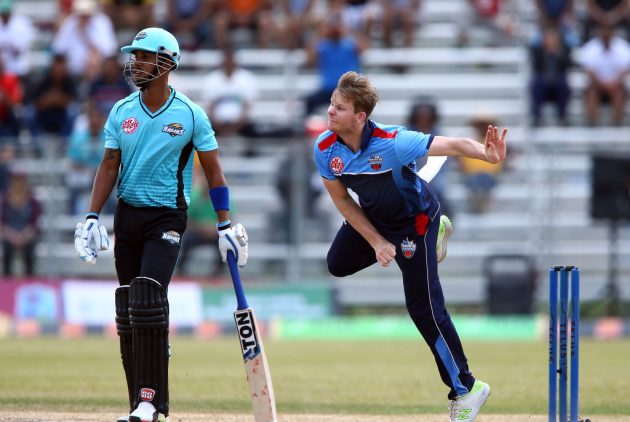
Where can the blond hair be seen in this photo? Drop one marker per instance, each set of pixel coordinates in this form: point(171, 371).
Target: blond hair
point(358, 89)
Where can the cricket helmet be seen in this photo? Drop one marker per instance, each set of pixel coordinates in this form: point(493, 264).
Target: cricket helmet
point(154, 40)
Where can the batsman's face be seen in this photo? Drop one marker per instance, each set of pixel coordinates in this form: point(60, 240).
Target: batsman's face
point(341, 115)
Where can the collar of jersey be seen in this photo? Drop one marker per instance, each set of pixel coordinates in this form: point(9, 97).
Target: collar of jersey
point(366, 135)
point(161, 109)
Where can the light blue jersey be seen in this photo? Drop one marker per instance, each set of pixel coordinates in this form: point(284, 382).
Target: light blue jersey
point(156, 149)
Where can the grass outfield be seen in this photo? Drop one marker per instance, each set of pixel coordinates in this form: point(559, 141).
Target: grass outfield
point(338, 379)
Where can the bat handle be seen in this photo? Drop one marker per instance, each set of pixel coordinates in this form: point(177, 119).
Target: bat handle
point(236, 280)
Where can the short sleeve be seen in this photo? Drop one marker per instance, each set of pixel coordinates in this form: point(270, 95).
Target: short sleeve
point(322, 165)
point(112, 140)
point(411, 145)
point(203, 138)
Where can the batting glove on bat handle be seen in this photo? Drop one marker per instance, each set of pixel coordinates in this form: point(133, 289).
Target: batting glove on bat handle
point(234, 239)
point(86, 233)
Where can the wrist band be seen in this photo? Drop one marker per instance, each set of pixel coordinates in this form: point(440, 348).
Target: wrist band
point(91, 215)
point(220, 197)
point(222, 225)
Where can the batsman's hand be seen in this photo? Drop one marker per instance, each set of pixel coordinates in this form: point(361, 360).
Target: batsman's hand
point(234, 239)
point(86, 233)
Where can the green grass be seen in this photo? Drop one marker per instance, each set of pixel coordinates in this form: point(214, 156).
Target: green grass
point(394, 377)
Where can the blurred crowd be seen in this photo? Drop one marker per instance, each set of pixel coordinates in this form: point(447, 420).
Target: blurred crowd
point(65, 92)
point(81, 75)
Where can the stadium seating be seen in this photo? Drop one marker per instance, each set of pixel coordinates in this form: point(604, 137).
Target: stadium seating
point(540, 208)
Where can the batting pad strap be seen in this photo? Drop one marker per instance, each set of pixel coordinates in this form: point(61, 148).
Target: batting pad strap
point(148, 304)
point(123, 325)
point(220, 197)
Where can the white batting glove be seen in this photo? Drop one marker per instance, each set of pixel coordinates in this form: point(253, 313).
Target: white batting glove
point(85, 234)
point(234, 239)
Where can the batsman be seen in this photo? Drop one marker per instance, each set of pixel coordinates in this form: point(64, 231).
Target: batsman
point(398, 218)
point(151, 137)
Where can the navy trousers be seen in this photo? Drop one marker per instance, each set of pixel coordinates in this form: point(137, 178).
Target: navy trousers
point(417, 259)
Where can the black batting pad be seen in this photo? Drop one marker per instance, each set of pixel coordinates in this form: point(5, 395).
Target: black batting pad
point(148, 312)
point(123, 326)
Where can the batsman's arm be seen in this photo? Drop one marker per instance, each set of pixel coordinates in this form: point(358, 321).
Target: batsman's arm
point(355, 216)
point(211, 165)
point(105, 179)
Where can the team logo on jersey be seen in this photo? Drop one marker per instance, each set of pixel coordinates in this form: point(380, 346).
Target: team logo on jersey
point(375, 161)
point(408, 248)
point(130, 125)
point(171, 237)
point(141, 35)
point(337, 165)
point(173, 129)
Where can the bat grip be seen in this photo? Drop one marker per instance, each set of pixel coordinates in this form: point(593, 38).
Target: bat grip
point(236, 280)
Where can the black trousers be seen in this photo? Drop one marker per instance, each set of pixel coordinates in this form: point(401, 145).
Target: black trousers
point(417, 259)
point(147, 242)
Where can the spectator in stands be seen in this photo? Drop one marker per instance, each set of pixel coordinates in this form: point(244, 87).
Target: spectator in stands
point(200, 230)
point(86, 37)
point(11, 96)
point(130, 14)
point(16, 38)
point(19, 224)
point(334, 52)
point(299, 162)
point(7, 155)
point(64, 9)
point(497, 16)
point(53, 98)
point(403, 14)
point(424, 117)
point(254, 15)
point(606, 61)
point(358, 16)
point(615, 13)
point(109, 87)
point(190, 21)
point(480, 177)
point(228, 95)
point(297, 21)
point(558, 13)
point(550, 62)
point(85, 150)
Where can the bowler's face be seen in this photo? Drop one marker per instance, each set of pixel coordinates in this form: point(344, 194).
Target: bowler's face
point(341, 115)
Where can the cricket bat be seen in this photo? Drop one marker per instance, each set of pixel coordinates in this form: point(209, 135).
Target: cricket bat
point(256, 367)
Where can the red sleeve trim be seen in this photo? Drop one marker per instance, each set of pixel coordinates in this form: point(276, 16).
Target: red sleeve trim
point(327, 142)
point(380, 133)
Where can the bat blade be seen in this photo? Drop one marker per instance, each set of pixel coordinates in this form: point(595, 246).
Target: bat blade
point(256, 366)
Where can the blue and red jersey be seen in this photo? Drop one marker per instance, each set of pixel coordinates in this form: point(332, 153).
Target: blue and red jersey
point(382, 172)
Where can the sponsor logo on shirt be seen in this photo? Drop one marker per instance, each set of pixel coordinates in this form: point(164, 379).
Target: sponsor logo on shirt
point(375, 161)
point(130, 125)
point(408, 248)
point(172, 237)
point(174, 129)
point(337, 165)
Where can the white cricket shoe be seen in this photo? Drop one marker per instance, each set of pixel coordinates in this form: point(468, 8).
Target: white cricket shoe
point(145, 412)
point(444, 232)
point(123, 418)
point(466, 407)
